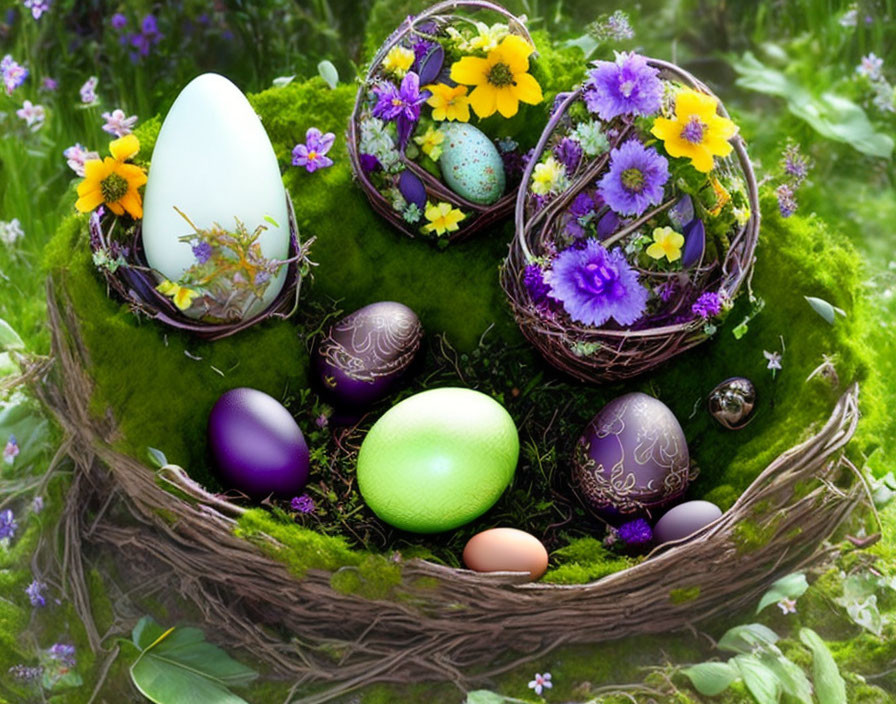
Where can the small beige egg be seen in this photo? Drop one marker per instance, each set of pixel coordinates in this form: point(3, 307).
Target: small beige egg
point(506, 550)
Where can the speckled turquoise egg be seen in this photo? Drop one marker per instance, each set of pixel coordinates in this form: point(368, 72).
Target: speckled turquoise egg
point(438, 459)
point(471, 165)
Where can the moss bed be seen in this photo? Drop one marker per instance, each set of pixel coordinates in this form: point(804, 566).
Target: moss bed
point(159, 385)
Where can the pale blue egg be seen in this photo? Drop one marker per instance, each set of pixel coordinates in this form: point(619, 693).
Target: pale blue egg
point(471, 165)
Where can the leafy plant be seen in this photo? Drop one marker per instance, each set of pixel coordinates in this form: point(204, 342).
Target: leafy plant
point(178, 666)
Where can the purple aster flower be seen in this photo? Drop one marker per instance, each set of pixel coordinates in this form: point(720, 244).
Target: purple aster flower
point(14, 74)
point(118, 123)
point(707, 305)
point(636, 534)
point(202, 251)
point(8, 525)
point(49, 84)
point(11, 451)
point(635, 178)
point(569, 153)
point(582, 205)
point(312, 154)
point(369, 163)
point(533, 279)
point(118, 21)
point(88, 90)
point(150, 26)
point(62, 653)
point(626, 86)
point(786, 200)
point(302, 504)
point(400, 104)
point(35, 593)
point(595, 285)
point(37, 7)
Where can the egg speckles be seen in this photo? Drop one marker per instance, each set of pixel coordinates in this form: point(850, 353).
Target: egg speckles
point(471, 165)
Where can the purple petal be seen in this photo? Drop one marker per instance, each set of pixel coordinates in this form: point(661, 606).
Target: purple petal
point(607, 225)
point(412, 188)
point(694, 243)
point(431, 65)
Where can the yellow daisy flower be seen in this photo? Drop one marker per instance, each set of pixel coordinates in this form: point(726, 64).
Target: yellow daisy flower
point(442, 218)
point(449, 102)
point(430, 142)
point(666, 243)
point(501, 79)
point(398, 61)
point(183, 297)
point(112, 182)
point(697, 131)
point(548, 177)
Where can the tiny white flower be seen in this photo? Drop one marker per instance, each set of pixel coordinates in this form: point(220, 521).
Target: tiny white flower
point(11, 232)
point(118, 123)
point(871, 66)
point(787, 606)
point(33, 115)
point(541, 682)
point(774, 360)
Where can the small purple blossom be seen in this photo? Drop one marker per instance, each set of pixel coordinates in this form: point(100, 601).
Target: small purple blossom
point(37, 504)
point(322, 421)
point(118, 21)
point(595, 285)
point(37, 7)
point(774, 361)
point(146, 38)
point(63, 654)
point(786, 200)
point(35, 593)
point(401, 104)
point(49, 84)
point(118, 123)
point(202, 251)
point(871, 67)
point(33, 115)
point(369, 163)
point(582, 205)
point(541, 682)
point(8, 525)
point(707, 305)
point(569, 153)
point(14, 74)
point(76, 156)
point(635, 179)
point(533, 280)
point(312, 154)
point(787, 606)
point(302, 504)
point(636, 534)
point(667, 290)
point(88, 90)
point(11, 451)
point(795, 164)
point(626, 86)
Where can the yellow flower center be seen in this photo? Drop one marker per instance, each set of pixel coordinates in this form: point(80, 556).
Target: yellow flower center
point(113, 188)
point(500, 75)
point(397, 101)
point(312, 155)
point(633, 180)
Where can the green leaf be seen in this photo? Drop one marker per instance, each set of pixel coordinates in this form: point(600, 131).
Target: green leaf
point(746, 638)
point(792, 586)
point(484, 696)
point(711, 678)
point(157, 457)
point(9, 338)
point(178, 666)
point(791, 676)
point(829, 685)
point(328, 72)
point(269, 219)
point(586, 43)
point(824, 309)
point(762, 683)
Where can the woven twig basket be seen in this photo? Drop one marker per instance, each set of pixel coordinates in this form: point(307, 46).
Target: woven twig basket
point(482, 216)
point(617, 353)
point(440, 622)
point(136, 283)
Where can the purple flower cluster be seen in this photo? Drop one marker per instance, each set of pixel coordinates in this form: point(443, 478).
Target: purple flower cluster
point(786, 200)
point(14, 74)
point(795, 164)
point(569, 153)
point(533, 280)
point(141, 41)
point(24, 673)
point(11, 450)
point(8, 525)
point(636, 534)
point(62, 653)
point(707, 305)
point(88, 90)
point(202, 251)
point(313, 154)
point(302, 504)
point(626, 86)
point(401, 104)
point(635, 179)
point(595, 285)
point(581, 207)
point(35, 592)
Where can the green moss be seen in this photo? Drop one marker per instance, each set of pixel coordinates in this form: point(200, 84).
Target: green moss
point(375, 578)
point(751, 535)
point(683, 596)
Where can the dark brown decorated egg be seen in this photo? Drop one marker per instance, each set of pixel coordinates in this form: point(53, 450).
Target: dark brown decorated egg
point(361, 357)
point(632, 459)
point(732, 402)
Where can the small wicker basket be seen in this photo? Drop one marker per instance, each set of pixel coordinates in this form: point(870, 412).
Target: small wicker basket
point(135, 283)
point(432, 20)
point(618, 352)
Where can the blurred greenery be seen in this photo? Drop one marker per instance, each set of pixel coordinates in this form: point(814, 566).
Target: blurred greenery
point(810, 48)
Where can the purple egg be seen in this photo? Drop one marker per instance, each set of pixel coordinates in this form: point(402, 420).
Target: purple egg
point(694, 243)
point(684, 520)
point(632, 459)
point(363, 355)
point(412, 188)
point(257, 446)
point(431, 65)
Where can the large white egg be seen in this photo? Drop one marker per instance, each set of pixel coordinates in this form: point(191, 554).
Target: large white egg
point(214, 161)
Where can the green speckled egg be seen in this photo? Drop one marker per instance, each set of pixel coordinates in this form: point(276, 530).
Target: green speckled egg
point(438, 459)
point(471, 165)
